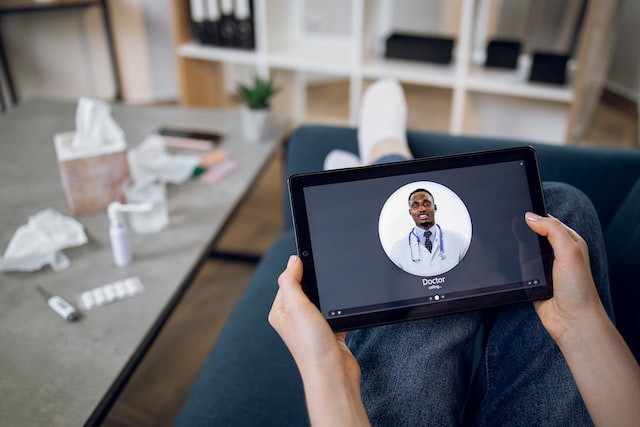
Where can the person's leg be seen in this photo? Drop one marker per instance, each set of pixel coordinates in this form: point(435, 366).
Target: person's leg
point(524, 379)
point(381, 128)
point(416, 373)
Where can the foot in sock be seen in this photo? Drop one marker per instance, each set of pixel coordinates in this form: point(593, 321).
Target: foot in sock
point(340, 159)
point(381, 130)
point(383, 116)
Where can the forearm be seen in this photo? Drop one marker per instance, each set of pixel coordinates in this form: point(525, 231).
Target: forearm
point(333, 400)
point(604, 369)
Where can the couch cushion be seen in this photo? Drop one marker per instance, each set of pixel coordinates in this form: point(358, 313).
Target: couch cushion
point(622, 238)
point(594, 170)
point(250, 379)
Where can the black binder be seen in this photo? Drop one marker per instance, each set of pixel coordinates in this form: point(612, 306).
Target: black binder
point(228, 25)
point(211, 34)
point(245, 33)
point(223, 23)
point(197, 13)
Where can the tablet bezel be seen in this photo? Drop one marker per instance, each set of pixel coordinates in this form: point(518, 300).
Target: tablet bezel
point(298, 182)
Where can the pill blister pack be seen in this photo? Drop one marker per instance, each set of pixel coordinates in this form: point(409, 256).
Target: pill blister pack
point(110, 293)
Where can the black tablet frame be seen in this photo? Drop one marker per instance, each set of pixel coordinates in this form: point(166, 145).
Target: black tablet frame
point(298, 182)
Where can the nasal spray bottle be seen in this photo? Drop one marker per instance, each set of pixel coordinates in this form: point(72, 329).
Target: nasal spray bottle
point(118, 231)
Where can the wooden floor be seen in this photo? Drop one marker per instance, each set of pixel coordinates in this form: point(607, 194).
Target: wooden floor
point(155, 393)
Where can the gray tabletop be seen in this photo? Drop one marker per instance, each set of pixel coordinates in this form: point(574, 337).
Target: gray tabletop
point(55, 372)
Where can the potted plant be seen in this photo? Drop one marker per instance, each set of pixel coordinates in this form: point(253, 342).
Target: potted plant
point(256, 112)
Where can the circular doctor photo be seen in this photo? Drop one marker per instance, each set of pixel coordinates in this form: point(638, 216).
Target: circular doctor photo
point(425, 228)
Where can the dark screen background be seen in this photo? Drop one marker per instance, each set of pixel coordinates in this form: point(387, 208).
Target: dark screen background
point(352, 269)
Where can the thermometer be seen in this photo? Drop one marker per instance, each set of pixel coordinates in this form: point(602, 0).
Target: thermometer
point(59, 305)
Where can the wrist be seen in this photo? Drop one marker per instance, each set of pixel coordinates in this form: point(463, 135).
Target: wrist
point(569, 320)
point(333, 398)
point(583, 329)
point(332, 382)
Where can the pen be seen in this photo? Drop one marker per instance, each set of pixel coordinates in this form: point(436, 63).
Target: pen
point(59, 305)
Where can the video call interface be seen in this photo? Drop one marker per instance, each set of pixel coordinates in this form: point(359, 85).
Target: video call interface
point(367, 259)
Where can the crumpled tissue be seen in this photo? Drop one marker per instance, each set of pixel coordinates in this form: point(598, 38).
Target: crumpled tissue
point(40, 242)
point(150, 161)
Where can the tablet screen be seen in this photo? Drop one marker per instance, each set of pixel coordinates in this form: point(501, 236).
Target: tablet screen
point(420, 238)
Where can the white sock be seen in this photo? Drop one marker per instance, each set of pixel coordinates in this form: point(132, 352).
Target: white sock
point(383, 115)
point(340, 159)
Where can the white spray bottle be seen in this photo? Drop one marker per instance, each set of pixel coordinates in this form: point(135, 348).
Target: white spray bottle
point(118, 231)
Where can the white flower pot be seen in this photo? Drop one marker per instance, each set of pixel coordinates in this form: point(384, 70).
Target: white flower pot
point(256, 124)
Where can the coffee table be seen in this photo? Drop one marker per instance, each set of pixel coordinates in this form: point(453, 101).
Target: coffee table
point(61, 373)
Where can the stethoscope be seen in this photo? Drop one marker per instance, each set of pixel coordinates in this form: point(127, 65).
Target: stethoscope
point(415, 249)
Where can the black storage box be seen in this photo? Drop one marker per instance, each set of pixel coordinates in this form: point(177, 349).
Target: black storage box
point(419, 48)
point(549, 68)
point(503, 54)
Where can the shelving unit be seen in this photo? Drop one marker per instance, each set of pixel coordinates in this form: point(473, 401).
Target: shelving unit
point(480, 97)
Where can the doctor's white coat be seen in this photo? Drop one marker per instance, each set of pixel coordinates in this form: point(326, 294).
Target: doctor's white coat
point(429, 263)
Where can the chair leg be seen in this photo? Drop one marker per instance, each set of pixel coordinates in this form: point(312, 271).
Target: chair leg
point(5, 72)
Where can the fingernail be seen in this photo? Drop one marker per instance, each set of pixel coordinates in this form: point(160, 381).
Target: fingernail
point(530, 216)
point(292, 260)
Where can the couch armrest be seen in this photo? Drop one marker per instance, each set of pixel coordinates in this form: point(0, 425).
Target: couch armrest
point(307, 148)
point(250, 378)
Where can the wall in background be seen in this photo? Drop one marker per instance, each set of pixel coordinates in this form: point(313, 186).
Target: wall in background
point(63, 54)
point(157, 24)
point(624, 74)
point(133, 50)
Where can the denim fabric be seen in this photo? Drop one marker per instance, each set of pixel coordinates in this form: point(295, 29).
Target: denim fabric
point(419, 373)
point(416, 373)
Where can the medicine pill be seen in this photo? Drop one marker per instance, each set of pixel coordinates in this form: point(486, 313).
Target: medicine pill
point(110, 293)
point(86, 300)
point(118, 287)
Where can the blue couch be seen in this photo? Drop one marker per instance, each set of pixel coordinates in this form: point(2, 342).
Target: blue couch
point(251, 380)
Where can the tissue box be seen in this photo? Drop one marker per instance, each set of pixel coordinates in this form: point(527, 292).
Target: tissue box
point(91, 177)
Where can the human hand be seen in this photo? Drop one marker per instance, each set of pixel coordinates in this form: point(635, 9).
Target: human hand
point(575, 295)
point(603, 367)
point(330, 373)
point(305, 331)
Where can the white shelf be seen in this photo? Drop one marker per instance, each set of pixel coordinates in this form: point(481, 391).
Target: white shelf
point(515, 83)
point(411, 72)
point(285, 43)
point(314, 55)
point(195, 50)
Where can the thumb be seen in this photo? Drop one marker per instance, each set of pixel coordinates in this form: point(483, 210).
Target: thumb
point(292, 275)
point(536, 223)
point(562, 237)
point(289, 284)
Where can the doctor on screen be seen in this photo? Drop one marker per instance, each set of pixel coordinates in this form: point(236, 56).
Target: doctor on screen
point(427, 249)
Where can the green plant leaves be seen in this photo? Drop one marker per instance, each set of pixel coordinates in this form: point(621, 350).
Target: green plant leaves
point(257, 94)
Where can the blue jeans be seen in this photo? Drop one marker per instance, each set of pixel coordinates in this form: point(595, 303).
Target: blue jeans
point(422, 372)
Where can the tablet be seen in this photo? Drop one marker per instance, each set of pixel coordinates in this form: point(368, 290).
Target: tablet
point(367, 261)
